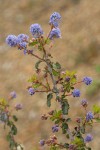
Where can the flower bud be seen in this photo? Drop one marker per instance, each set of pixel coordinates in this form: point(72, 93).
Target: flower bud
point(51, 112)
point(84, 103)
point(44, 117)
point(78, 120)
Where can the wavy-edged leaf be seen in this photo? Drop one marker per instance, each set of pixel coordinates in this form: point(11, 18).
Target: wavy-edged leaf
point(37, 64)
point(49, 97)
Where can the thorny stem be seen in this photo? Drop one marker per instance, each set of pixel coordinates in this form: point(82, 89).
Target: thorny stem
point(77, 82)
point(50, 71)
point(43, 91)
point(37, 57)
point(47, 82)
point(43, 85)
point(69, 94)
point(70, 134)
point(54, 82)
point(52, 77)
point(49, 33)
point(55, 86)
point(49, 67)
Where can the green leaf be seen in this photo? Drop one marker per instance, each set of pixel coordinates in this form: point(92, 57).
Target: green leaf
point(33, 78)
point(56, 115)
point(96, 109)
point(56, 65)
point(55, 90)
point(37, 64)
point(98, 120)
point(68, 87)
point(40, 47)
point(57, 121)
point(68, 120)
point(65, 107)
point(55, 73)
point(33, 43)
point(15, 118)
point(83, 129)
point(78, 141)
point(66, 145)
point(36, 85)
point(64, 127)
point(47, 41)
point(8, 137)
point(9, 123)
point(3, 103)
point(88, 148)
point(54, 148)
point(72, 88)
point(14, 130)
point(67, 136)
point(49, 97)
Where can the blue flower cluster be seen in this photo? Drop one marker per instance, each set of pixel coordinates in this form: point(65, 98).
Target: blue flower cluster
point(20, 41)
point(76, 93)
point(36, 30)
point(42, 142)
point(54, 19)
point(88, 138)
point(31, 91)
point(13, 94)
point(54, 22)
point(89, 116)
point(87, 80)
point(55, 33)
point(11, 40)
point(55, 128)
point(25, 51)
point(18, 107)
point(22, 38)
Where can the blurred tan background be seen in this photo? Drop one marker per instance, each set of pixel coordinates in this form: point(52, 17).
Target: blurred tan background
point(79, 50)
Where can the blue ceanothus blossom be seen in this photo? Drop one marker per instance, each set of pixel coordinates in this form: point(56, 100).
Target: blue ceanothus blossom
point(42, 142)
point(87, 80)
point(55, 33)
point(54, 19)
point(88, 138)
point(55, 128)
point(76, 93)
point(11, 40)
point(22, 40)
point(31, 91)
point(36, 30)
point(89, 116)
point(13, 94)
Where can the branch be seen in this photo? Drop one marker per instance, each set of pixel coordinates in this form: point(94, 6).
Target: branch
point(37, 57)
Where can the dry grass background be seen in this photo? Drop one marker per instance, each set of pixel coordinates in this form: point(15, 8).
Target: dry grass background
point(78, 49)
